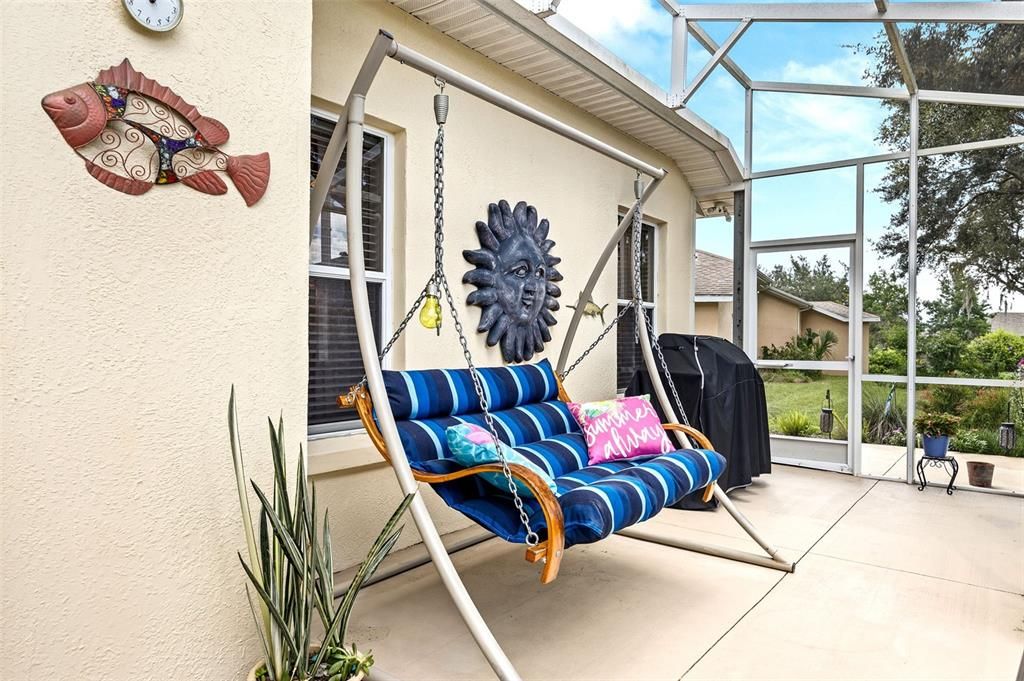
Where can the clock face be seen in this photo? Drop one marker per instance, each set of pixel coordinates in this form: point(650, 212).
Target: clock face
point(156, 15)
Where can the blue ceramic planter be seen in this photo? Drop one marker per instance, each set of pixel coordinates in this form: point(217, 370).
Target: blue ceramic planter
point(935, 446)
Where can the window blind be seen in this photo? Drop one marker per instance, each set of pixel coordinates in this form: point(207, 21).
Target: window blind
point(335, 362)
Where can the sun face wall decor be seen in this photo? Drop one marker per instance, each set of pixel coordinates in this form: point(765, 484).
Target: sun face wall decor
point(515, 278)
point(134, 133)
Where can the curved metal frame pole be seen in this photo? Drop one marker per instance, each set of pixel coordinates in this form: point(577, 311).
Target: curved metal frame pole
point(488, 644)
point(595, 275)
point(666, 404)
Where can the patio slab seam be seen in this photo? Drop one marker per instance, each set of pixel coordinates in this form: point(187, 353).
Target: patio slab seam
point(919, 574)
point(796, 564)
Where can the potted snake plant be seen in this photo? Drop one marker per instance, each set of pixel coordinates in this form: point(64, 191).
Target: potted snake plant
point(290, 574)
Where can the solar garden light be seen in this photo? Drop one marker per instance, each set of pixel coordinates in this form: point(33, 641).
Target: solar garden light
point(827, 419)
point(1008, 430)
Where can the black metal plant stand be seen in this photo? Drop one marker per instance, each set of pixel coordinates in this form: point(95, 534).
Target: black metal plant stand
point(937, 462)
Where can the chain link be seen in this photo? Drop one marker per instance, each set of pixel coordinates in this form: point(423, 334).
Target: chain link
point(622, 313)
point(642, 318)
point(664, 369)
point(442, 282)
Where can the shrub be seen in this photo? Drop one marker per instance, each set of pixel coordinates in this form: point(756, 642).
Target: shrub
point(943, 351)
point(883, 419)
point(934, 424)
point(794, 423)
point(887, 361)
point(897, 438)
point(949, 399)
point(991, 437)
point(970, 442)
point(809, 345)
point(987, 410)
point(994, 353)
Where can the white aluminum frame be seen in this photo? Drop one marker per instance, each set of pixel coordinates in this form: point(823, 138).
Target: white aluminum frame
point(685, 20)
point(347, 138)
point(852, 363)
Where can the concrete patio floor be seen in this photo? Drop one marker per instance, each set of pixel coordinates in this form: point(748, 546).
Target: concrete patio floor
point(891, 583)
point(887, 461)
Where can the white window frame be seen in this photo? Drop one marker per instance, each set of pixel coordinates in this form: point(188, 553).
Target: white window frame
point(656, 226)
point(384, 277)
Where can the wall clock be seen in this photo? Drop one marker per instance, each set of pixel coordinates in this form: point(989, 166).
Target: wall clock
point(156, 15)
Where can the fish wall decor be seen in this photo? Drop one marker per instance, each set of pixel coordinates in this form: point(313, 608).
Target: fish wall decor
point(591, 309)
point(134, 133)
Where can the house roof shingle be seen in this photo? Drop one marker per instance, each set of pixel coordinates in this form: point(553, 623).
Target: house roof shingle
point(714, 278)
point(714, 274)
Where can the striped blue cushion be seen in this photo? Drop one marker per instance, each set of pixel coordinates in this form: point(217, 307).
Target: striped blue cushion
point(426, 445)
point(599, 500)
point(596, 500)
point(429, 393)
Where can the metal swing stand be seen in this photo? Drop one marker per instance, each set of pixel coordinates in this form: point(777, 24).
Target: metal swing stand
point(348, 134)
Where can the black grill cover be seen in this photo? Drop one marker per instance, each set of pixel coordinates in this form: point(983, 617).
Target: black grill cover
point(724, 398)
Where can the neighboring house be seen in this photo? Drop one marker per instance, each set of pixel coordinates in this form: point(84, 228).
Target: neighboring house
point(780, 315)
point(1009, 321)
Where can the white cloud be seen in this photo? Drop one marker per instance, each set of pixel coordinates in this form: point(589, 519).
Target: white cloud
point(799, 129)
point(613, 21)
point(848, 70)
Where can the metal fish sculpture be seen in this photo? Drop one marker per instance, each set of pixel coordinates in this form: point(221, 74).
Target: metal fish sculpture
point(591, 309)
point(134, 133)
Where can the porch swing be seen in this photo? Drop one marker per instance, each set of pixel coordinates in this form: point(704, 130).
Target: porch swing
point(406, 413)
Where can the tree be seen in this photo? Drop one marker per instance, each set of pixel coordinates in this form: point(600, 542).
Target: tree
point(886, 296)
point(960, 308)
point(812, 282)
point(955, 318)
point(971, 205)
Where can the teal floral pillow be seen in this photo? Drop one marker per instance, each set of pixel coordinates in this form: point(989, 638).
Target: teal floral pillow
point(472, 445)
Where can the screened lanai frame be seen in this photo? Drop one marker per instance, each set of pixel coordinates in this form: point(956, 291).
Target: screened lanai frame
point(685, 23)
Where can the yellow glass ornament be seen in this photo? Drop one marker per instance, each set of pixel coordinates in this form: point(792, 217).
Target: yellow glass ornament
point(430, 313)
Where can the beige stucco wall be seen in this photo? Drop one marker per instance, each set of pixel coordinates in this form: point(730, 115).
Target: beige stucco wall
point(777, 321)
point(714, 318)
point(490, 155)
point(125, 321)
point(812, 319)
point(706, 319)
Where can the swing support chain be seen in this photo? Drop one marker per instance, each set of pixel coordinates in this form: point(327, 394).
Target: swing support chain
point(440, 280)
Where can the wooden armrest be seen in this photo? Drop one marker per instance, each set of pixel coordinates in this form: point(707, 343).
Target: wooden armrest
point(555, 544)
point(554, 547)
point(700, 438)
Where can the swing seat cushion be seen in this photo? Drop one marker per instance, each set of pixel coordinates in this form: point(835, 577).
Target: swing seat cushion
point(604, 498)
point(596, 500)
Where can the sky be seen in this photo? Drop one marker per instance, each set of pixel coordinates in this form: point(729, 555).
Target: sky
point(789, 129)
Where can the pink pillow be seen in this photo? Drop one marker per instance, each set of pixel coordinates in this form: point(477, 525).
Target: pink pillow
point(621, 429)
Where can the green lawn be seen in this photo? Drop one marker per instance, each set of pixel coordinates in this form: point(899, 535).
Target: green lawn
point(809, 397)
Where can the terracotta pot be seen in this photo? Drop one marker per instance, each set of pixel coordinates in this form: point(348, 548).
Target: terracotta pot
point(252, 673)
point(979, 473)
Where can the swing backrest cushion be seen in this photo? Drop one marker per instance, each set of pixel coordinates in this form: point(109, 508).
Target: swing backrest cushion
point(523, 402)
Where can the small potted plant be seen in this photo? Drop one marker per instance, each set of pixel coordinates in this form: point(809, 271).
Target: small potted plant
point(291, 573)
point(935, 429)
